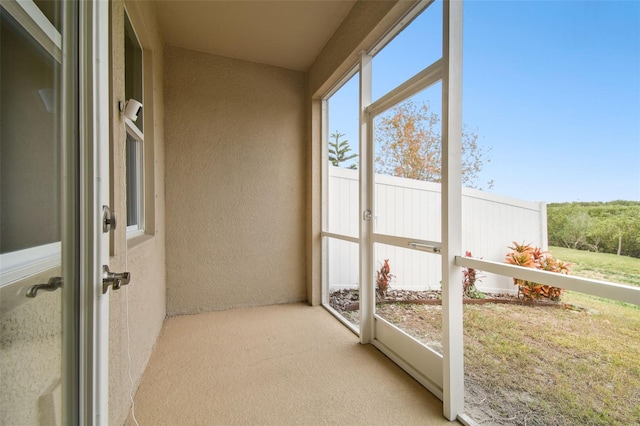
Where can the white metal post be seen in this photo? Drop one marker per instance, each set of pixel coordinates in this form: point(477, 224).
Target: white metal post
point(367, 298)
point(452, 327)
point(324, 173)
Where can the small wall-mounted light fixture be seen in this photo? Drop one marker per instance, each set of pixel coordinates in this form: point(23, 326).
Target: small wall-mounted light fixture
point(130, 109)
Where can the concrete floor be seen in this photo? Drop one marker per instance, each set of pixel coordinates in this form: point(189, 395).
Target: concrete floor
point(275, 365)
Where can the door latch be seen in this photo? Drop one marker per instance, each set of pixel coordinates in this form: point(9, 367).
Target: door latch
point(114, 279)
point(367, 215)
point(108, 219)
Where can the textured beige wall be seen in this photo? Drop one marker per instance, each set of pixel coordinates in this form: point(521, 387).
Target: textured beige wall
point(144, 257)
point(364, 26)
point(30, 351)
point(235, 173)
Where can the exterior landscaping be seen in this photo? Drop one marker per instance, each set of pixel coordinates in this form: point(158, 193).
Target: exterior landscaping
point(573, 361)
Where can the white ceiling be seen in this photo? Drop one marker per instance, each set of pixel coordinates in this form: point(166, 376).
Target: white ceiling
point(288, 34)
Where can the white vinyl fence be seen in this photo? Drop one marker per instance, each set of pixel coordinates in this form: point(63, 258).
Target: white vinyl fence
point(409, 208)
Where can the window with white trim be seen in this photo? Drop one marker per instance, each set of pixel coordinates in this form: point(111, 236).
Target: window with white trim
point(135, 180)
point(30, 167)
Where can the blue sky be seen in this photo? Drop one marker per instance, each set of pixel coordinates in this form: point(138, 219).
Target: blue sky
point(553, 87)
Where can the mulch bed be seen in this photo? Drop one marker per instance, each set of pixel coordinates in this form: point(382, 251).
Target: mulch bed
point(347, 300)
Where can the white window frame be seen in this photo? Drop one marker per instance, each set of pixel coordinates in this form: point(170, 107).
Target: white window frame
point(18, 265)
point(132, 130)
point(21, 264)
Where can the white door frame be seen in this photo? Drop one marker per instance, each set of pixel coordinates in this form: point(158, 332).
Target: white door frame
point(442, 375)
point(94, 194)
point(83, 51)
point(86, 166)
point(423, 363)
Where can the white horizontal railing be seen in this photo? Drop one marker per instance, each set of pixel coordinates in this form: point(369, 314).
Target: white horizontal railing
point(340, 237)
point(425, 78)
point(619, 292)
point(392, 240)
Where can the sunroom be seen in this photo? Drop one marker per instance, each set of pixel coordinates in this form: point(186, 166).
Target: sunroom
point(169, 178)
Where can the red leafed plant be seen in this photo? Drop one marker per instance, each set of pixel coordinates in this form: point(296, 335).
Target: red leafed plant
point(532, 257)
point(469, 281)
point(383, 279)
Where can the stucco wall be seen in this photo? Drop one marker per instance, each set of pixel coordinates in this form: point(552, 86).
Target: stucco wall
point(30, 353)
point(144, 257)
point(235, 173)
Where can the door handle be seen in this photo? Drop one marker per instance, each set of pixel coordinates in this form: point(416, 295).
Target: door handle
point(114, 279)
point(427, 247)
point(53, 284)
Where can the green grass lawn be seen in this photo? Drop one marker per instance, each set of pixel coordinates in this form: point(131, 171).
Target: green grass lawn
point(535, 365)
point(600, 266)
point(561, 366)
point(556, 366)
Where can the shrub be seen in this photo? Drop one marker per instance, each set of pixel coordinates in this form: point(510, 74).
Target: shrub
point(532, 257)
point(383, 279)
point(469, 282)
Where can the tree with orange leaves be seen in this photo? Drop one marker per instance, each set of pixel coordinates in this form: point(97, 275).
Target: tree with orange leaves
point(409, 145)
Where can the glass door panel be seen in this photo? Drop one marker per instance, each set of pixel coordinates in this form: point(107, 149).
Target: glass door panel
point(30, 161)
point(31, 182)
point(407, 199)
point(406, 238)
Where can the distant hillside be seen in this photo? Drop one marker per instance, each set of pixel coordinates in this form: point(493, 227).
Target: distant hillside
point(611, 227)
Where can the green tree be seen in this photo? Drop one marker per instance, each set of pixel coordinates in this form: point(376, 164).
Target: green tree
point(339, 151)
point(410, 146)
point(576, 229)
point(618, 225)
point(611, 227)
point(568, 226)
